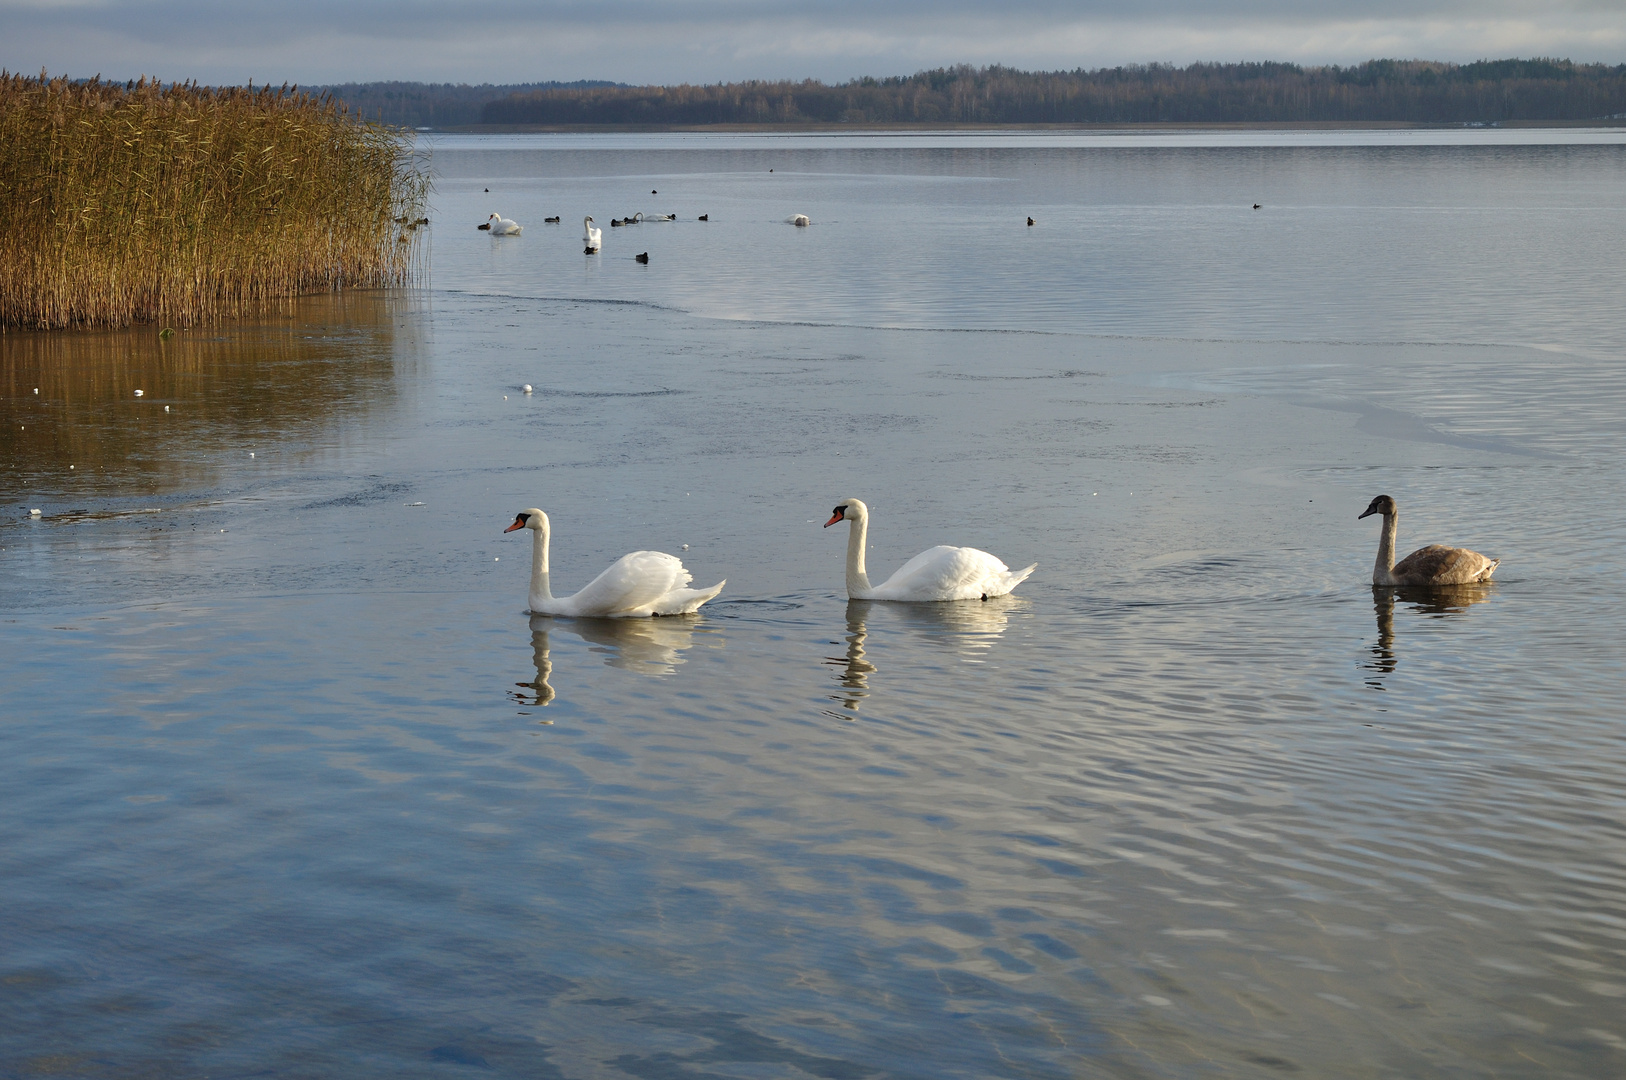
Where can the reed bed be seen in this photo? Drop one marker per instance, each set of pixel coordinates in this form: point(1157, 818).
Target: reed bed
point(181, 204)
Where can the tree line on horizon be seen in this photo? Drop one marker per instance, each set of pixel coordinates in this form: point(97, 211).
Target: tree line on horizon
point(434, 105)
point(1410, 91)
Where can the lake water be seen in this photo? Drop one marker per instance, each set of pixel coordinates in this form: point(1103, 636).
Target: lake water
point(291, 785)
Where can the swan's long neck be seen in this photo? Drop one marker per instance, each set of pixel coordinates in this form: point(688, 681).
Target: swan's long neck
point(857, 580)
point(1383, 569)
point(539, 566)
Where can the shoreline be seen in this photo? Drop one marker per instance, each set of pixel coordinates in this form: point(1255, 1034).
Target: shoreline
point(935, 128)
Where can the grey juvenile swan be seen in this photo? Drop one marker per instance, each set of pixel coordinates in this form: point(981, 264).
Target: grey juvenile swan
point(1432, 565)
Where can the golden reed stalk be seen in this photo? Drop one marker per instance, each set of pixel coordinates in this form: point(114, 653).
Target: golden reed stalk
point(183, 204)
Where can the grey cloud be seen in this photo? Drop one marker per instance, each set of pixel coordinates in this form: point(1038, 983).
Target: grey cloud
point(710, 40)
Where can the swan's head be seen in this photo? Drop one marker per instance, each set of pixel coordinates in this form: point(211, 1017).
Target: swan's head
point(1380, 505)
point(528, 519)
point(848, 510)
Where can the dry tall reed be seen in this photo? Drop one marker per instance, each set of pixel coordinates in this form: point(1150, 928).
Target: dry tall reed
point(184, 204)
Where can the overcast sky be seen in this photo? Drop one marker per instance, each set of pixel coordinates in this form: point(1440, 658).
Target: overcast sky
point(671, 41)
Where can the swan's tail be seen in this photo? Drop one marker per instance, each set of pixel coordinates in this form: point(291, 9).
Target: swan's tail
point(1489, 570)
point(687, 601)
point(1004, 583)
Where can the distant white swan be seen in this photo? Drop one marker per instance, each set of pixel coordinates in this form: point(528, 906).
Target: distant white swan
point(1432, 565)
point(800, 219)
point(501, 226)
point(638, 585)
point(939, 573)
point(592, 235)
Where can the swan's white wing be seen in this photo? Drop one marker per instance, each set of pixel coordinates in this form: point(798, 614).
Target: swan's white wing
point(686, 601)
point(633, 585)
point(1002, 584)
point(946, 573)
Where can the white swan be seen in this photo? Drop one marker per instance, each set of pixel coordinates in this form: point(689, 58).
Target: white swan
point(501, 226)
point(800, 219)
point(939, 573)
point(638, 585)
point(592, 236)
point(1432, 565)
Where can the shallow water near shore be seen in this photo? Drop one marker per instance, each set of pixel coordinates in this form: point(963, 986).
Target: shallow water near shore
point(293, 785)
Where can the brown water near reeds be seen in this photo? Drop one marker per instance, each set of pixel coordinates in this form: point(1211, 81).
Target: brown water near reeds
point(291, 783)
point(124, 414)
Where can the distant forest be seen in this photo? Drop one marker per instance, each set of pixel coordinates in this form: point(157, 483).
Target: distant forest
point(1407, 91)
point(434, 105)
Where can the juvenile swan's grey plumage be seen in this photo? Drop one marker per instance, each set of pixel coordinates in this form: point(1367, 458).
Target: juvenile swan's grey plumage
point(1432, 565)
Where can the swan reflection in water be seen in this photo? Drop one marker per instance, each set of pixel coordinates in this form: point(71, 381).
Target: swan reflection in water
point(1439, 602)
point(968, 627)
point(647, 646)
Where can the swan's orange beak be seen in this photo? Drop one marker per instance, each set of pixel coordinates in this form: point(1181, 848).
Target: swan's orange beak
point(834, 518)
point(519, 523)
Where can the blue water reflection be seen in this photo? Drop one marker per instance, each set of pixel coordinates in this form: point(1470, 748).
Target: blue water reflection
point(290, 782)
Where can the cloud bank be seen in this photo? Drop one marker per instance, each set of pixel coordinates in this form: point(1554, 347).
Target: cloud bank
point(642, 41)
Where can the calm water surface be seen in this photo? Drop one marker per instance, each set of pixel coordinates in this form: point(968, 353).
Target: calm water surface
point(293, 786)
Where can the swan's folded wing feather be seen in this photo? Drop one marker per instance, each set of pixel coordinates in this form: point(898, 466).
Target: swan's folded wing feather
point(1003, 584)
point(942, 573)
point(686, 601)
point(1438, 564)
point(633, 584)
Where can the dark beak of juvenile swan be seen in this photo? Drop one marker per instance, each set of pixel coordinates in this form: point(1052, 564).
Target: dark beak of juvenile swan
point(519, 523)
point(839, 515)
point(1370, 510)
